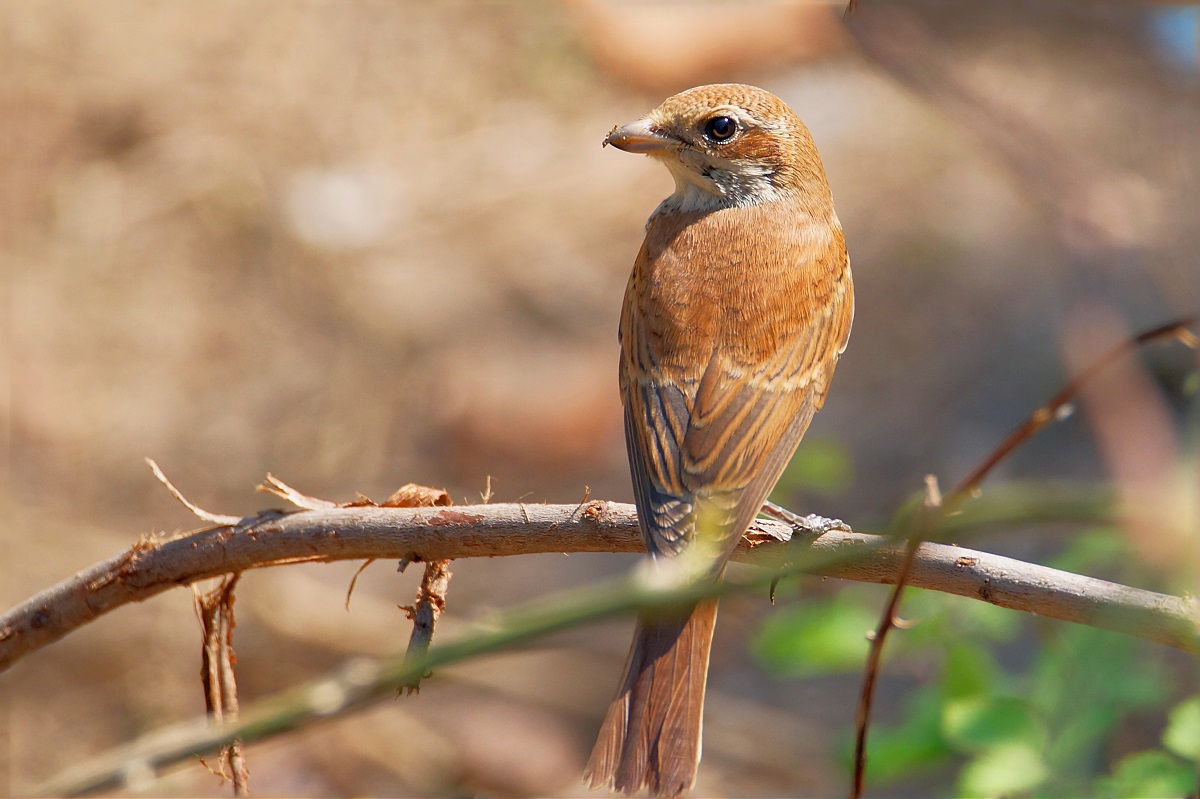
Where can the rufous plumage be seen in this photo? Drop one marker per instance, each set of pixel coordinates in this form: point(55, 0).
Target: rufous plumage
point(738, 308)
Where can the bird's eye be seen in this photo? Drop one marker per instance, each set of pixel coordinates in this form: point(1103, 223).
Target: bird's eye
point(720, 129)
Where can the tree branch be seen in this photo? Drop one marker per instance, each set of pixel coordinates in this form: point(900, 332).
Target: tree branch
point(329, 534)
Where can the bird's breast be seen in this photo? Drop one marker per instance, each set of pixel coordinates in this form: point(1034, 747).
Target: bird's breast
point(743, 281)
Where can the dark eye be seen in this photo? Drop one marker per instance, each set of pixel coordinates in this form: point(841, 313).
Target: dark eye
point(720, 129)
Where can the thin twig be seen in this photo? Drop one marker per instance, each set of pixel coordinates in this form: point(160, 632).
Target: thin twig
point(934, 510)
point(435, 580)
point(215, 518)
point(931, 504)
point(1061, 404)
point(301, 500)
point(425, 612)
point(587, 493)
point(215, 610)
point(354, 580)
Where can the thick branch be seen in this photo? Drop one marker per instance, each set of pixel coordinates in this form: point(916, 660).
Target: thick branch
point(152, 567)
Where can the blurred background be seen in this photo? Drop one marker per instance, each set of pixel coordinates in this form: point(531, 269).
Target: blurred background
point(361, 244)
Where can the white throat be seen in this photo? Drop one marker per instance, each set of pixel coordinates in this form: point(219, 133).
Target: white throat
point(709, 184)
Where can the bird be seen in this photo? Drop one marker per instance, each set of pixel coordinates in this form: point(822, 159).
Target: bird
point(738, 307)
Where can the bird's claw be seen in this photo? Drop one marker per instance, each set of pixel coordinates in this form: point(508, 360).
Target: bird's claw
point(818, 525)
point(812, 524)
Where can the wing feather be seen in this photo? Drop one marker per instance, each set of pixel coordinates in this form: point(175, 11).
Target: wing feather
point(718, 437)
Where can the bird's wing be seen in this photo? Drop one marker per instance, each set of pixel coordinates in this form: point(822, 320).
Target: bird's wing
point(706, 451)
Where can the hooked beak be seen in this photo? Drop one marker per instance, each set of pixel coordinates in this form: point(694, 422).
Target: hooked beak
point(639, 137)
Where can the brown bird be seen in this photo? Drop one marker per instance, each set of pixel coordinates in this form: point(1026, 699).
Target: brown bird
point(739, 305)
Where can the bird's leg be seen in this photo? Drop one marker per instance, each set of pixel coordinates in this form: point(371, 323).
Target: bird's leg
point(812, 525)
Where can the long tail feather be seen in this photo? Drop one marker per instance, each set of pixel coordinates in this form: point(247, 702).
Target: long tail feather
point(651, 734)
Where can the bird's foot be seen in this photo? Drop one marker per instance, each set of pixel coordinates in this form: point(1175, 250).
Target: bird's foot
point(812, 524)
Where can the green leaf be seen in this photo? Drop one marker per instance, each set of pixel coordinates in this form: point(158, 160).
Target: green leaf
point(1183, 729)
point(1149, 773)
point(934, 621)
point(820, 466)
point(969, 671)
point(914, 745)
point(817, 637)
point(977, 724)
point(1085, 683)
point(1085, 667)
point(1003, 771)
point(1091, 552)
point(1074, 740)
point(1191, 385)
point(985, 621)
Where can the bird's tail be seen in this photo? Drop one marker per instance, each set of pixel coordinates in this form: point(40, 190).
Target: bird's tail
point(651, 733)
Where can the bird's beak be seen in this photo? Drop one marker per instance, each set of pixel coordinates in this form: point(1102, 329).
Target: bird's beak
point(639, 137)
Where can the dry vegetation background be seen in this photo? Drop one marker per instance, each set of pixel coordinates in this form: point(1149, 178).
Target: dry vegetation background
point(359, 244)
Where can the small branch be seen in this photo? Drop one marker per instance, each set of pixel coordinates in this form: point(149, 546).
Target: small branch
point(357, 684)
point(215, 610)
point(435, 581)
point(934, 510)
point(214, 518)
point(1061, 405)
point(431, 601)
point(363, 681)
point(278, 488)
point(154, 566)
point(931, 504)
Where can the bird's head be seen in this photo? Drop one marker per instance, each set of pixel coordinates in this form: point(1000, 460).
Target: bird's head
point(728, 145)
